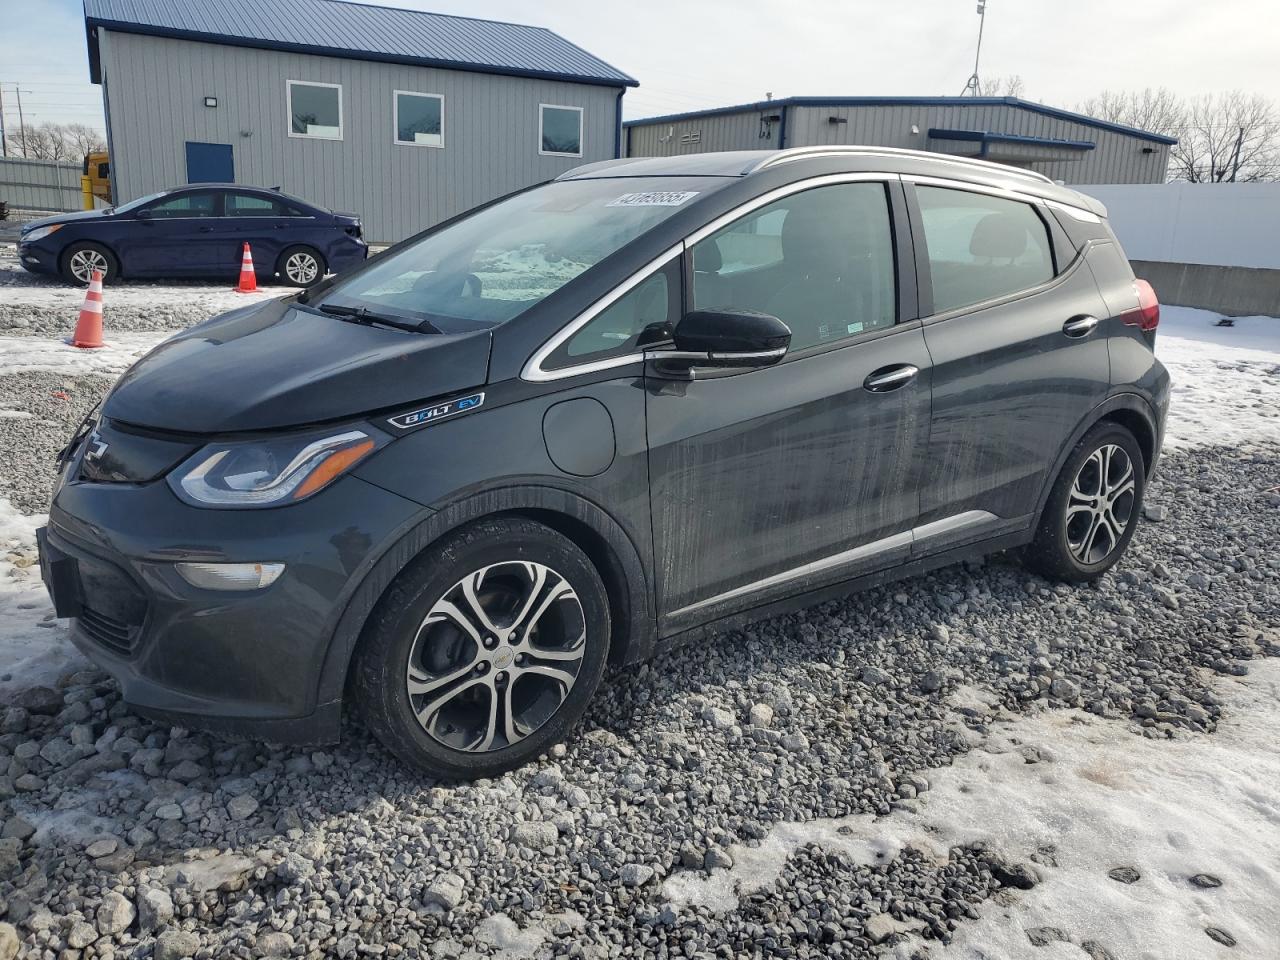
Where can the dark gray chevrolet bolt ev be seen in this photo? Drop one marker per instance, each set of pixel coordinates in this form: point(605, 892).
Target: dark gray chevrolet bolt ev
point(597, 417)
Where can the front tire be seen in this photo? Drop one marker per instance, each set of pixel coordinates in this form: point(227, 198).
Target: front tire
point(83, 257)
point(301, 266)
point(1093, 509)
point(486, 651)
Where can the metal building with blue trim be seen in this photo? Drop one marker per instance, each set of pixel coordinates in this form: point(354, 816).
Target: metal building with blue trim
point(402, 116)
point(1066, 146)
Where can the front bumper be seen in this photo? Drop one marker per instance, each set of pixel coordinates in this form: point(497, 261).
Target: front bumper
point(37, 258)
point(246, 662)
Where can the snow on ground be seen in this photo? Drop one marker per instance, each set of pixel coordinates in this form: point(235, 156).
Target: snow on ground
point(1099, 798)
point(1226, 380)
point(34, 647)
point(121, 350)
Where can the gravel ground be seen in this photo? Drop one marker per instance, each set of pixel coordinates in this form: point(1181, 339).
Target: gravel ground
point(154, 839)
point(38, 414)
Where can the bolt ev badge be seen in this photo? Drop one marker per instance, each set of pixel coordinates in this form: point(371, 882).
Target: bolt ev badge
point(429, 415)
point(97, 447)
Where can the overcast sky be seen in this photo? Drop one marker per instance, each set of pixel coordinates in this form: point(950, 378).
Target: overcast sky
point(689, 54)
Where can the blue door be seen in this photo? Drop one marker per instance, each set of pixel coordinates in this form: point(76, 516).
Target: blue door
point(210, 163)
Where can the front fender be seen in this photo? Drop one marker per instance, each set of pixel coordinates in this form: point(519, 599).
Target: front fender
point(630, 589)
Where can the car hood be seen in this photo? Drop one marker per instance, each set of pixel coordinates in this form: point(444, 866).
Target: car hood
point(272, 365)
point(65, 218)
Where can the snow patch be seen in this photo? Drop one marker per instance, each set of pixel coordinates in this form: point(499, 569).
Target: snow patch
point(1226, 380)
point(1104, 797)
point(122, 350)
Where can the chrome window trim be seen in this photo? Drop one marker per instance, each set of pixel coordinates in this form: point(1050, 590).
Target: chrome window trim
point(970, 520)
point(532, 370)
point(1007, 193)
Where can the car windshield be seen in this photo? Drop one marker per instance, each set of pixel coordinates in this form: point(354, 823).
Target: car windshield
point(500, 261)
point(135, 204)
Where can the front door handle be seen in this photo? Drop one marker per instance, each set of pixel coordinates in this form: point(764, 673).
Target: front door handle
point(890, 378)
point(1080, 326)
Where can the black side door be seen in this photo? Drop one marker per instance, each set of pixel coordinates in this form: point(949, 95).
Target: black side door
point(261, 221)
point(773, 481)
point(1019, 355)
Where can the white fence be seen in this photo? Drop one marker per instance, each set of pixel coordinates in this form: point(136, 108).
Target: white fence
point(40, 184)
point(1221, 224)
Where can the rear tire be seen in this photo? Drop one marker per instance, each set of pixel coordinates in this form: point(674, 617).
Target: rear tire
point(485, 651)
point(301, 266)
point(81, 258)
point(1093, 509)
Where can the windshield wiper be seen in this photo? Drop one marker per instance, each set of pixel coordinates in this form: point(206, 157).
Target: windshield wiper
point(362, 315)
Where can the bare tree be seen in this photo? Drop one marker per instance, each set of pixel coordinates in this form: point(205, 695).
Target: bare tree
point(1010, 86)
point(1221, 137)
point(1226, 138)
point(1158, 110)
point(56, 141)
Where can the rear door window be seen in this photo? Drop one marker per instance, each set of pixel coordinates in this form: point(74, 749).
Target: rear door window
point(981, 247)
point(254, 205)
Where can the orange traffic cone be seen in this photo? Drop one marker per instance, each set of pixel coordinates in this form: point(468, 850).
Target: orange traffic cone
point(89, 327)
point(248, 279)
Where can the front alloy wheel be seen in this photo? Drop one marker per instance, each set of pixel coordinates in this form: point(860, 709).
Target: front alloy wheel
point(1101, 504)
point(485, 651)
point(496, 656)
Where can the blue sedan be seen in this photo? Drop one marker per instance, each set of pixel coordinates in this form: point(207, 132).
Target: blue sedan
point(196, 231)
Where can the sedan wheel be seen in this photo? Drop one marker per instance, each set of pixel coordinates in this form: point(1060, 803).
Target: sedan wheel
point(485, 651)
point(301, 266)
point(83, 258)
point(496, 656)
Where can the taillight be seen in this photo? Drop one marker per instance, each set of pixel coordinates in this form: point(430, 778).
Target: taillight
point(1147, 315)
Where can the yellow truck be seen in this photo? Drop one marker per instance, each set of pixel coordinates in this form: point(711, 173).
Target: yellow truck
point(95, 180)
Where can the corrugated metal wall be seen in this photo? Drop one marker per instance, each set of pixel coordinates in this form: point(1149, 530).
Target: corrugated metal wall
point(1117, 157)
point(726, 131)
point(156, 89)
point(40, 184)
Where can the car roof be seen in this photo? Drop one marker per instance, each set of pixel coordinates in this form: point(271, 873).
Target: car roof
point(244, 188)
point(854, 159)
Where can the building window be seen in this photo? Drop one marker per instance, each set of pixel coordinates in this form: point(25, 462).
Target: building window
point(419, 119)
point(315, 110)
point(560, 129)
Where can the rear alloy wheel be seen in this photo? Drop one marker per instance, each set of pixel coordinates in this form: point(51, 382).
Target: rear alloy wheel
point(486, 650)
point(301, 267)
point(1092, 511)
point(81, 259)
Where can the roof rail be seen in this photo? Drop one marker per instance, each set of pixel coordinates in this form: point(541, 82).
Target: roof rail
point(807, 153)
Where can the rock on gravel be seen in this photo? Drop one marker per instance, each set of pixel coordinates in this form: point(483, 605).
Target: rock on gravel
point(155, 909)
point(9, 941)
point(176, 944)
point(115, 913)
point(445, 892)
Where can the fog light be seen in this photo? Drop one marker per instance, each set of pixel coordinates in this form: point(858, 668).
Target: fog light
point(230, 576)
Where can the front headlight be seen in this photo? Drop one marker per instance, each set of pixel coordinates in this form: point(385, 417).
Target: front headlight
point(39, 233)
point(269, 473)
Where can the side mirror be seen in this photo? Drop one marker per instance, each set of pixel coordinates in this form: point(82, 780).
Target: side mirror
point(730, 338)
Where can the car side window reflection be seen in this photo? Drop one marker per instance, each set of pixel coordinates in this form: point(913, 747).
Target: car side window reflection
point(186, 206)
point(820, 260)
point(251, 205)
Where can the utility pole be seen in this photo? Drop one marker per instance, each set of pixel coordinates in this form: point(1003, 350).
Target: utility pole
point(4, 147)
point(974, 85)
point(22, 125)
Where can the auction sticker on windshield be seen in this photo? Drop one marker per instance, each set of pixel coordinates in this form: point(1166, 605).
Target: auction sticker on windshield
point(654, 198)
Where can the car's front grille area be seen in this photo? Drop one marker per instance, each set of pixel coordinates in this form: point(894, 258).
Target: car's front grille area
point(106, 631)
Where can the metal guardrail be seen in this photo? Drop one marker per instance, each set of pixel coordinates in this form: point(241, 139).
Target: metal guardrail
point(39, 184)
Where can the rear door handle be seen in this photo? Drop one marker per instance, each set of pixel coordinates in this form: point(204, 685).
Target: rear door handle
point(1078, 327)
point(890, 378)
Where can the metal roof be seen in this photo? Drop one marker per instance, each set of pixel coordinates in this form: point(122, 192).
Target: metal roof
point(356, 31)
point(1018, 102)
